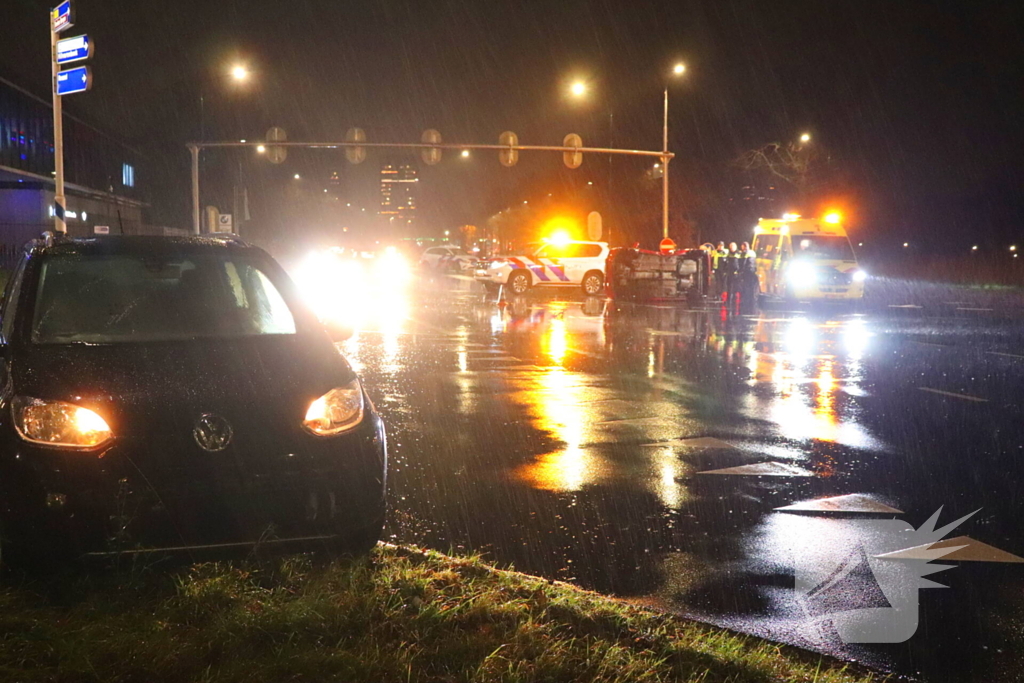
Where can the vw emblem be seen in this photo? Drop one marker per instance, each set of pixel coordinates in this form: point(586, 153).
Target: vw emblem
point(212, 433)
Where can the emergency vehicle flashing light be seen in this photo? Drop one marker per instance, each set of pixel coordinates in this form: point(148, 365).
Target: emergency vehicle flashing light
point(560, 238)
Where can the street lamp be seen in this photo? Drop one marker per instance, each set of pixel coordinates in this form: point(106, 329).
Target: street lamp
point(805, 138)
point(298, 177)
point(679, 70)
point(240, 73)
point(260, 149)
point(578, 89)
point(465, 154)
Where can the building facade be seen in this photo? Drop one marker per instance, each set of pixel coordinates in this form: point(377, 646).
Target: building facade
point(105, 179)
point(399, 196)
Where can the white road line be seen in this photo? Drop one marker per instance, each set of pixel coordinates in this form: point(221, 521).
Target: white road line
point(941, 346)
point(975, 309)
point(1004, 355)
point(965, 397)
point(904, 306)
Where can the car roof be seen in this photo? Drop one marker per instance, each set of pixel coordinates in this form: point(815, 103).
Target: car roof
point(565, 244)
point(800, 226)
point(144, 245)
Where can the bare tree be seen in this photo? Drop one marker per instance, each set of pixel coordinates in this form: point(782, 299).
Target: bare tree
point(792, 162)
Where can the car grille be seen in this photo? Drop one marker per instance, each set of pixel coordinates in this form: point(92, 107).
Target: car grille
point(833, 277)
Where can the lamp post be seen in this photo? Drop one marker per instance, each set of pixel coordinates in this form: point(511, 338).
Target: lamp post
point(239, 74)
point(579, 89)
point(677, 70)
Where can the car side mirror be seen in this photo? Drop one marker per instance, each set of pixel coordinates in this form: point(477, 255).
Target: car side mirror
point(338, 332)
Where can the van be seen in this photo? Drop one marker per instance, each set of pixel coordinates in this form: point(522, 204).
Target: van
point(806, 259)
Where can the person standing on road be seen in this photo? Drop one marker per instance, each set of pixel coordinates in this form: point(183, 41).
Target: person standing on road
point(718, 262)
point(732, 272)
point(747, 272)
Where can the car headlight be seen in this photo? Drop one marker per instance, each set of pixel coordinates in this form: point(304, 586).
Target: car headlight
point(802, 273)
point(497, 264)
point(337, 411)
point(56, 423)
point(859, 276)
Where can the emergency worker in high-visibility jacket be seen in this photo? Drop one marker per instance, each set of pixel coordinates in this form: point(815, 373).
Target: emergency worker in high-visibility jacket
point(719, 258)
point(731, 269)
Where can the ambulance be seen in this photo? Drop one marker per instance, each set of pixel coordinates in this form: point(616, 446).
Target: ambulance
point(806, 259)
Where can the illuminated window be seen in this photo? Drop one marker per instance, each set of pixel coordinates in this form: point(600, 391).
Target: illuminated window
point(128, 175)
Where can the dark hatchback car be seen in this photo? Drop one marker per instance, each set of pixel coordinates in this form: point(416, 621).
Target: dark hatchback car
point(174, 393)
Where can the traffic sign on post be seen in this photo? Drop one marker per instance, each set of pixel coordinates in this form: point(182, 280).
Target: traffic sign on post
point(508, 157)
point(74, 49)
point(277, 154)
point(74, 81)
point(667, 246)
point(594, 226)
point(355, 155)
point(62, 17)
point(431, 155)
point(572, 159)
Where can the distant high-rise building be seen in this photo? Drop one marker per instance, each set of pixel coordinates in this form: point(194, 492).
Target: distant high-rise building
point(399, 183)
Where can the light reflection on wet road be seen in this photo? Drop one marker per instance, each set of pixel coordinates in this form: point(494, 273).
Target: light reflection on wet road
point(565, 436)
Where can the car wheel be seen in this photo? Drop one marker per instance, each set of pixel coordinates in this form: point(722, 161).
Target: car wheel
point(359, 542)
point(519, 282)
point(593, 283)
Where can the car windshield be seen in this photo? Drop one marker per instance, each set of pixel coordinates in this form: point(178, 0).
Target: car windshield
point(826, 247)
point(129, 298)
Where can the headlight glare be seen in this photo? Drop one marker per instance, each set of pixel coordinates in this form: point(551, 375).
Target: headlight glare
point(337, 411)
point(497, 264)
point(802, 273)
point(57, 423)
point(859, 276)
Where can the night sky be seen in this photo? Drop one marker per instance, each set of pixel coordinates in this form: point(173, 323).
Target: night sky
point(921, 103)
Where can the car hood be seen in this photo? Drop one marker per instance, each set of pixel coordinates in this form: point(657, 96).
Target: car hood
point(149, 388)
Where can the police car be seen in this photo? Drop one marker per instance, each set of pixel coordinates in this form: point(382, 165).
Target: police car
point(566, 264)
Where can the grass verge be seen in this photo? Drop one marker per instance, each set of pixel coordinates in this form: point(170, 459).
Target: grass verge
point(403, 615)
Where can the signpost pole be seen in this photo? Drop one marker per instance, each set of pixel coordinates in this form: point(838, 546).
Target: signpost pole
point(664, 173)
point(195, 188)
point(60, 203)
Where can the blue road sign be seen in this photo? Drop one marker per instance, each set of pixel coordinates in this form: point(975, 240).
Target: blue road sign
point(62, 16)
point(74, 49)
point(74, 80)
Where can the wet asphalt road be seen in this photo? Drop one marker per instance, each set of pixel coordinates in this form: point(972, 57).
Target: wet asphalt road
point(564, 437)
